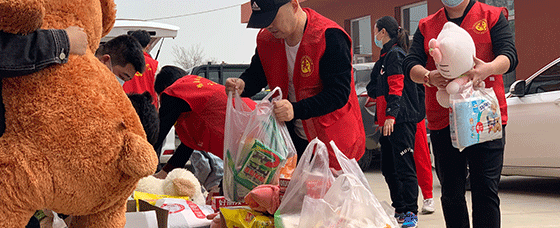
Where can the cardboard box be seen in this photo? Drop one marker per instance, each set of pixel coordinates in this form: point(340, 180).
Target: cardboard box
point(143, 217)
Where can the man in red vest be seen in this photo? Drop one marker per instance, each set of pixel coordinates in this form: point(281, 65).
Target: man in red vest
point(495, 55)
point(309, 57)
point(197, 107)
point(142, 82)
point(123, 56)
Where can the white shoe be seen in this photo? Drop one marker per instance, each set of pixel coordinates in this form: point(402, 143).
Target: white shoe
point(428, 206)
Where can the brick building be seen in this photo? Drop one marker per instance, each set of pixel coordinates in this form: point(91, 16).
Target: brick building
point(536, 25)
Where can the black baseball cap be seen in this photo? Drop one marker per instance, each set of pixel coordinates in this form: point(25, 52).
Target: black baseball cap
point(264, 12)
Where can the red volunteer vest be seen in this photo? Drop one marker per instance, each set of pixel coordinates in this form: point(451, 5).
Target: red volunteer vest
point(144, 82)
point(203, 127)
point(478, 22)
point(344, 125)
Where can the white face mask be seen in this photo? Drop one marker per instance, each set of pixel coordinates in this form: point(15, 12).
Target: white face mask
point(118, 78)
point(452, 3)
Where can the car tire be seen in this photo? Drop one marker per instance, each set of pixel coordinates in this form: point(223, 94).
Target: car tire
point(365, 160)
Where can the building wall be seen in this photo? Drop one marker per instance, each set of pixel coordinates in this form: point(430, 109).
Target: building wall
point(537, 38)
point(537, 25)
point(352, 9)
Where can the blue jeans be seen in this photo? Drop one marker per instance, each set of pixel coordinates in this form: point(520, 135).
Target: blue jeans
point(485, 161)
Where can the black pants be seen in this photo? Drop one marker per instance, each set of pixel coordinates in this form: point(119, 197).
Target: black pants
point(398, 168)
point(299, 143)
point(485, 161)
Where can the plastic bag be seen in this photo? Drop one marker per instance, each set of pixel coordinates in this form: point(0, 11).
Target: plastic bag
point(312, 177)
point(315, 198)
point(351, 166)
point(256, 146)
point(474, 117)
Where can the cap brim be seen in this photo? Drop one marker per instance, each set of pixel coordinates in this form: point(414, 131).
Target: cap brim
point(261, 19)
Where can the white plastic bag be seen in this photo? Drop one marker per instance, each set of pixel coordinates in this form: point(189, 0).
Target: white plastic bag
point(312, 177)
point(315, 198)
point(350, 166)
point(474, 117)
point(256, 146)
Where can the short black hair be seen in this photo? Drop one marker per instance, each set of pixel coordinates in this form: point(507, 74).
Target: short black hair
point(124, 49)
point(142, 36)
point(167, 76)
point(148, 115)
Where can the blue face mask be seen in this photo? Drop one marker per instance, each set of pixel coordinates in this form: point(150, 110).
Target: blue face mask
point(451, 3)
point(378, 43)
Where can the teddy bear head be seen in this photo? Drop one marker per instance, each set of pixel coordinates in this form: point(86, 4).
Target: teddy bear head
point(453, 51)
point(25, 16)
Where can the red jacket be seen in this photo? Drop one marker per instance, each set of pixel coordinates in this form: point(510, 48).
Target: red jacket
point(203, 127)
point(144, 82)
point(344, 125)
point(478, 22)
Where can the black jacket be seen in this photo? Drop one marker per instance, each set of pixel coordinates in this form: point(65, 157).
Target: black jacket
point(405, 99)
point(26, 54)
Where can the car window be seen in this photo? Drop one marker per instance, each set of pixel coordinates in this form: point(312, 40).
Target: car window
point(548, 81)
point(214, 76)
point(232, 73)
point(362, 76)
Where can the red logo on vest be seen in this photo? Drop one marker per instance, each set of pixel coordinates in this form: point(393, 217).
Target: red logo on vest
point(306, 66)
point(481, 27)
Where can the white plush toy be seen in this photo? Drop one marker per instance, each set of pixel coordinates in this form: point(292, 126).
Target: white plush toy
point(179, 182)
point(453, 53)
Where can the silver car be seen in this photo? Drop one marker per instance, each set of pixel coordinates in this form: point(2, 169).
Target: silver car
point(362, 75)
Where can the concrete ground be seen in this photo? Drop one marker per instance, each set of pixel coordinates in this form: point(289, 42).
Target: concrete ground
point(526, 202)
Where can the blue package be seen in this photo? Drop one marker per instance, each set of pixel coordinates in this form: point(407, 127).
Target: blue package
point(475, 119)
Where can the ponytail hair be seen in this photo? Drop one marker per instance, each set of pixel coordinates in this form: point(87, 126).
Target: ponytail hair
point(395, 32)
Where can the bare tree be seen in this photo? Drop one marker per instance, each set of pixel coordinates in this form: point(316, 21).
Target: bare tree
point(188, 58)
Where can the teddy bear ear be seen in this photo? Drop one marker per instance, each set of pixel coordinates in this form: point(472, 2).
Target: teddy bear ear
point(22, 16)
point(109, 11)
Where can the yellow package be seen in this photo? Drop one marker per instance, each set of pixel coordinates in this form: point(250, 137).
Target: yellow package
point(244, 217)
point(152, 198)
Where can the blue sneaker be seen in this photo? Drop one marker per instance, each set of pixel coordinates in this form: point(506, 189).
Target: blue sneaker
point(410, 220)
point(399, 217)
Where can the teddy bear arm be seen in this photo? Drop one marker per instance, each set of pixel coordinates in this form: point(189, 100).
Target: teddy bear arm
point(139, 158)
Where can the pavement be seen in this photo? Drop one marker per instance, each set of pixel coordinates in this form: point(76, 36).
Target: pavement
point(526, 202)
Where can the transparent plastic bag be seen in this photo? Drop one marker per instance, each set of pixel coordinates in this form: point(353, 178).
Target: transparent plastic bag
point(315, 198)
point(351, 166)
point(312, 177)
point(474, 116)
point(256, 146)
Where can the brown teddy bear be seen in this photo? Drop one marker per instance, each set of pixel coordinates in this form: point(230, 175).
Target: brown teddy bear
point(73, 142)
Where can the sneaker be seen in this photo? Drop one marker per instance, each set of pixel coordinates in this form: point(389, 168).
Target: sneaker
point(410, 220)
point(399, 217)
point(428, 206)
